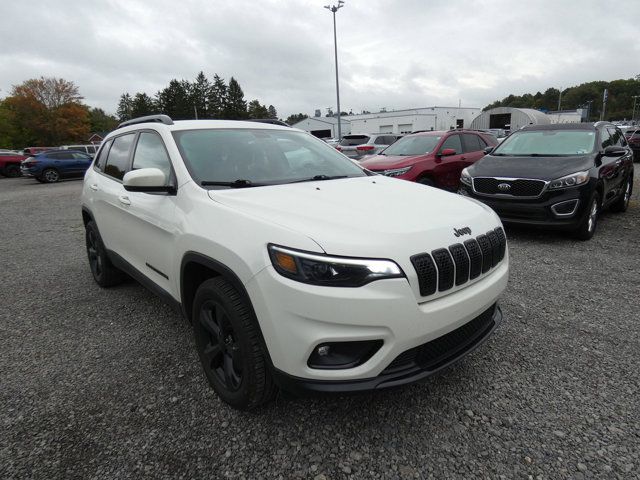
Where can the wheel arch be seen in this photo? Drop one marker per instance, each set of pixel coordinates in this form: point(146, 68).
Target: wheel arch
point(195, 268)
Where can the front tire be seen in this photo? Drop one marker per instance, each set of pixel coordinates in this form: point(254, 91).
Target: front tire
point(426, 181)
point(590, 221)
point(227, 338)
point(50, 175)
point(103, 271)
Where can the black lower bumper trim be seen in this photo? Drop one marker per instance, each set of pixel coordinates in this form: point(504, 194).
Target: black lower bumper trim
point(303, 386)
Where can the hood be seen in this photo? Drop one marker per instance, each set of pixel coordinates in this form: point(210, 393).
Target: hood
point(376, 217)
point(386, 162)
point(543, 168)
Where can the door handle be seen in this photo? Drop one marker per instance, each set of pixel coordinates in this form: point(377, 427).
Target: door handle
point(124, 200)
point(94, 187)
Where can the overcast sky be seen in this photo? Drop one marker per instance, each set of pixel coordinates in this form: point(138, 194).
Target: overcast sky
point(394, 53)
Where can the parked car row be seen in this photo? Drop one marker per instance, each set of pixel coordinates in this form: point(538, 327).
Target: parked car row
point(554, 176)
point(47, 164)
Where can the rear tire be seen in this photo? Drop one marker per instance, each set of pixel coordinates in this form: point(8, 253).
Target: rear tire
point(103, 271)
point(229, 345)
point(590, 221)
point(12, 171)
point(622, 203)
point(50, 175)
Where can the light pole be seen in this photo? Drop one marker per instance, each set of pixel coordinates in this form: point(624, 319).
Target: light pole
point(633, 115)
point(334, 9)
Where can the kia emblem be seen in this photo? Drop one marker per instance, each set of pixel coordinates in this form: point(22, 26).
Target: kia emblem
point(504, 187)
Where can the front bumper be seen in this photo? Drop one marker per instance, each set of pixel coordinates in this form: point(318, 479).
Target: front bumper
point(413, 365)
point(295, 318)
point(537, 211)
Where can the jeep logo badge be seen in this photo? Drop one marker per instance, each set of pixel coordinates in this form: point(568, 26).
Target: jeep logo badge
point(504, 187)
point(461, 231)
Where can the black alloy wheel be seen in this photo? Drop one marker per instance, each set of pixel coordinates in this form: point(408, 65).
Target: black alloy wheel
point(221, 353)
point(230, 346)
point(103, 271)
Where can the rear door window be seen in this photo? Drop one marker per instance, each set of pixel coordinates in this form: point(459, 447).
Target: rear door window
point(118, 158)
point(103, 155)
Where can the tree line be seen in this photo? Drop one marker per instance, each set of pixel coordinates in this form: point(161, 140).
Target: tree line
point(201, 99)
point(586, 95)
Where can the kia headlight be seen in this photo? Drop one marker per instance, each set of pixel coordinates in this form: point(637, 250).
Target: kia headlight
point(570, 180)
point(396, 172)
point(465, 177)
point(330, 271)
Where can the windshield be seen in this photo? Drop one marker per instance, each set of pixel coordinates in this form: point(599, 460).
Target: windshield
point(548, 143)
point(417, 145)
point(259, 157)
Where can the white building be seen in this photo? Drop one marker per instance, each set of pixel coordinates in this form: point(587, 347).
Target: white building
point(324, 127)
point(411, 120)
point(396, 121)
point(510, 118)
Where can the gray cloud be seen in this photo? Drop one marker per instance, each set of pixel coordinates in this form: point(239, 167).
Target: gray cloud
point(393, 54)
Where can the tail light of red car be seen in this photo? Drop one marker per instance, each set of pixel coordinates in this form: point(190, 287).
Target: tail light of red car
point(365, 148)
point(339, 148)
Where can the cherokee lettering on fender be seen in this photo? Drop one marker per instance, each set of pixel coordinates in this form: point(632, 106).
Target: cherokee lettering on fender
point(461, 231)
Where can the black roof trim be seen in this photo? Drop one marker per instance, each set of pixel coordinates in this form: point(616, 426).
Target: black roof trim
point(166, 119)
point(272, 121)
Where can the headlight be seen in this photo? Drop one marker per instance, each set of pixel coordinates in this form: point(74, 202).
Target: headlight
point(570, 180)
point(330, 271)
point(465, 177)
point(396, 172)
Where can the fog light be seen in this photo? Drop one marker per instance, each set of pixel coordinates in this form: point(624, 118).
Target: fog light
point(323, 351)
point(565, 209)
point(340, 355)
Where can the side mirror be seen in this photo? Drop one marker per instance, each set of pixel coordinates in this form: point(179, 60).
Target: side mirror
point(614, 151)
point(149, 180)
point(447, 152)
point(488, 150)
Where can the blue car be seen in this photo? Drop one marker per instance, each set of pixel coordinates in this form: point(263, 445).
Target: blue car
point(52, 165)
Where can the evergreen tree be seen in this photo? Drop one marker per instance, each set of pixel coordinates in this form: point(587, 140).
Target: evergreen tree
point(272, 112)
point(142, 105)
point(217, 98)
point(295, 118)
point(200, 91)
point(236, 108)
point(175, 100)
point(256, 110)
point(125, 107)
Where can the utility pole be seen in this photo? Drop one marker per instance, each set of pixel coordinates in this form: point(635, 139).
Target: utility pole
point(633, 115)
point(560, 99)
point(605, 95)
point(334, 9)
point(589, 102)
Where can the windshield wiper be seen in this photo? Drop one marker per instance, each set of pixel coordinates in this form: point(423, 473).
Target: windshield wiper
point(319, 177)
point(240, 183)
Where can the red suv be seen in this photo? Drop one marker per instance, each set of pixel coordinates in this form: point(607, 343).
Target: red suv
point(633, 138)
point(432, 158)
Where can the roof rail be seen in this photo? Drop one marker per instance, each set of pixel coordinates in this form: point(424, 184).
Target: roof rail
point(272, 121)
point(166, 119)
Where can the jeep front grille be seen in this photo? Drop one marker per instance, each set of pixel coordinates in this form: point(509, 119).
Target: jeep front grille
point(459, 263)
point(516, 187)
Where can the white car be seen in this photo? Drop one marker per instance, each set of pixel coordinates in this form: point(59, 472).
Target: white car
point(297, 268)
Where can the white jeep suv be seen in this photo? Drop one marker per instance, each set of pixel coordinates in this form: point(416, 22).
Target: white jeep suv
point(297, 268)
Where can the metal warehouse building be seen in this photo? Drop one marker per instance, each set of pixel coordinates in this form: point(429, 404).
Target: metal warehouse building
point(509, 118)
point(396, 121)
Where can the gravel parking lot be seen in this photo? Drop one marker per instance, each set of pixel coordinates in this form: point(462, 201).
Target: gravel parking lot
point(106, 383)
